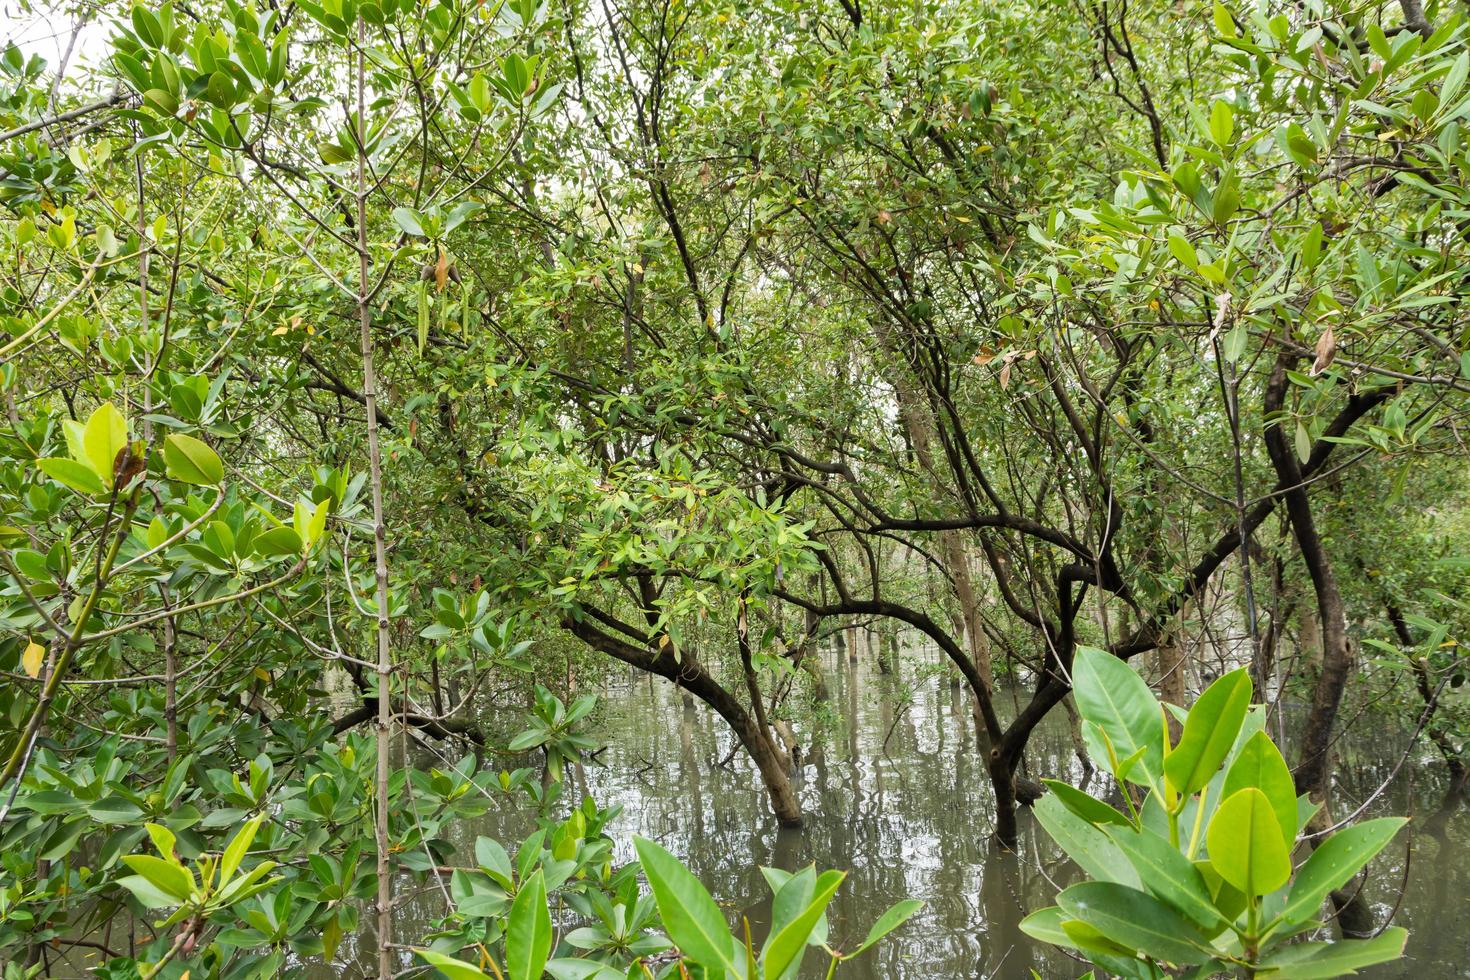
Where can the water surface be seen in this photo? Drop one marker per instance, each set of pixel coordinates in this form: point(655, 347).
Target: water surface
point(897, 794)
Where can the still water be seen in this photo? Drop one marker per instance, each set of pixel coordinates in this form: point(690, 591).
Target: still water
point(897, 795)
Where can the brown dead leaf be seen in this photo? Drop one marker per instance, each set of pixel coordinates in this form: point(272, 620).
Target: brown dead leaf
point(1326, 351)
point(441, 271)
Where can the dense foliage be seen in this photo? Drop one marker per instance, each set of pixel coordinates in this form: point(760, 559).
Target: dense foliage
point(378, 375)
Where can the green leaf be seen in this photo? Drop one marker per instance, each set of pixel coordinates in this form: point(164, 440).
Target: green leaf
point(449, 966)
point(221, 91)
point(1209, 732)
point(1224, 23)
point(1233, 343)
point(114, 809)
point(190, 460)
point(277, 541)
point(789, 900)
point(163, 839)
point(1259, 764)
point(897, 915)
point(1226, 203)
point(72, 475)
point(1168, 875)
point(1334, 863)
point(1222, 122)
point(408, 221)
point(147, 893)
point(1110, 695)
point(164, 103)
point(1136, 920)
point(237, 848)
point(1324, 961)
point(1046, 925)
point(248, 884)
point(784, 949)
point(1086, 806)
point(1093, 851)
point(528, 931)
point(1183, 251)
point(691, 918)
point(493, 860)
point(423, 317)
point(565, 968)
point(1245, 842)
point(172, 879)
point(103, 437)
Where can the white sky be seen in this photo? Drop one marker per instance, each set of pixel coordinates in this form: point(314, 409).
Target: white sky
point(46, 33)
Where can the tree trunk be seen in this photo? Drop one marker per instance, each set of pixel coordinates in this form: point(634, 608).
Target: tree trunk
point(1312, 768)
point(1170, 660)
point(688, 673)
point(1311, 774)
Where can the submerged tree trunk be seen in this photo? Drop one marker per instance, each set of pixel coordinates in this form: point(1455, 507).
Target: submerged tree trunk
point(1312, 773)
point(690, 675)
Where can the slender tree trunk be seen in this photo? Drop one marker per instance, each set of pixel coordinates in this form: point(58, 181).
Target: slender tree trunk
point(1312, 773)
point(1312, 768)
point(380, 533)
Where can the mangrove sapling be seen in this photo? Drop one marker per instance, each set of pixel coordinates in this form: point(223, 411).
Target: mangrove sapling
point(1197, 880)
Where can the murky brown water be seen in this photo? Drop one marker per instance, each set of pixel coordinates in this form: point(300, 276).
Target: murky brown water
point(899, 797)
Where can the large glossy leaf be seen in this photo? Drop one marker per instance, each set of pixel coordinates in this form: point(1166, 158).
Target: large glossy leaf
point(172, 879)
point(1259, 764)
point(1209, 732)
point(1046, 925)
point(147, 893)
point(1110, 695)
point(528, 931)
point(72, 474)
point(691, 918)
point(1137, 920)
point(191, 460)
point(1086, 806)
point(236, 850)
point(890, 920)
point(788, 900)
point(1084, 843)
point(1168, 875)
point(564, 968)
point(1091, 939)
point(1324, 961)
point(1246, 846)
point(449, 966)
point(785, 947)
point(103, 437)
point(1334, 862)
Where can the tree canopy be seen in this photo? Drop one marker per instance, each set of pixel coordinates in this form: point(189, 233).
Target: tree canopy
point(375, 369)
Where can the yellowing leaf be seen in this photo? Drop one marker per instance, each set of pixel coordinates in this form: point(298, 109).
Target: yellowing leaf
point(103, 437)
point(31, 659)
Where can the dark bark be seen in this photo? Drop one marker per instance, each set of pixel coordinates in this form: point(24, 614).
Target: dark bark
point(1312, 767)
point(689, 674)
point(1312, 773)
point(440, 728)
